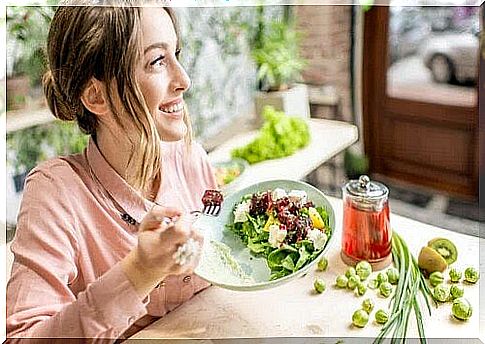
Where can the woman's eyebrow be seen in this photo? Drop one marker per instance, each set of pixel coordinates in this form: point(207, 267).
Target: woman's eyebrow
point(162, 45)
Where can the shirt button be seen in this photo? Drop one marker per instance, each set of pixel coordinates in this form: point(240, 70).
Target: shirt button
point(187, 279)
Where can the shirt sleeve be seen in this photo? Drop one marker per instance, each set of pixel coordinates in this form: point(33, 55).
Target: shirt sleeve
point(40, 302)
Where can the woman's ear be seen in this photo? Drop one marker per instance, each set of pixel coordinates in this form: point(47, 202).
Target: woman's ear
point(94, 97)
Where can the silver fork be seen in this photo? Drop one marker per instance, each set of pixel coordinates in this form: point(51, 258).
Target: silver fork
point(209, 209)
point(211, 200)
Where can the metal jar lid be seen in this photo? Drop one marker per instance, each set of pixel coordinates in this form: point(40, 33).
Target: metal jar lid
point(367, 189)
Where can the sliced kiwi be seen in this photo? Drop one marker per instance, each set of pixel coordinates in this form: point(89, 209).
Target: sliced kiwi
point(445, 248)
point(430, 261)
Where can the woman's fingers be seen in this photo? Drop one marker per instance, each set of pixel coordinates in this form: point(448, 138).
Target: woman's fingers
point(160, 217)
point(168, 241)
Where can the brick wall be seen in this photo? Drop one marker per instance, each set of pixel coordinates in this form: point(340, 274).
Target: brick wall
point(326, 45)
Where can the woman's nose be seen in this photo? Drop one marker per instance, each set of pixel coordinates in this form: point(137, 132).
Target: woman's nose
point(181, 80)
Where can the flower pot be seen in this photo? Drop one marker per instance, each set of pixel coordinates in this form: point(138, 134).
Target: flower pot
point(293, 102)
point(19, 180)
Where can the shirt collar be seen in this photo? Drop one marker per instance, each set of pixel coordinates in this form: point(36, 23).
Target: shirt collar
point(129, 199)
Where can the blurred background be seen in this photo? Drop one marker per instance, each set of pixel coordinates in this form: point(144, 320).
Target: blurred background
point(407, 77)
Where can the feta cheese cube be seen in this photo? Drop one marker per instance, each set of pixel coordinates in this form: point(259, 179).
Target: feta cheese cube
point(241, 211)
point(276, 235)
point(318, 238)
point(278, 193)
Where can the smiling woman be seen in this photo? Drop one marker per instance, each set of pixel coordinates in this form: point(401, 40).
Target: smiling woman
point(103, 235)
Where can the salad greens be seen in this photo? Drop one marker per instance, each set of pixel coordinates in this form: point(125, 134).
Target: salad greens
point(286, 229)
point(280, 136)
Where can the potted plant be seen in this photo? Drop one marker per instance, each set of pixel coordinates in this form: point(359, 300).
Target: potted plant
point(27, 29)
point(279, 64)
point(28, 147)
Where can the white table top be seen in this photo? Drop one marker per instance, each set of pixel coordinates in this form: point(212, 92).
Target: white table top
point(328, 138)
point(294, 310)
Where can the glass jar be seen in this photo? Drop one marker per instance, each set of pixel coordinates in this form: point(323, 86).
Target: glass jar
point(366, 233)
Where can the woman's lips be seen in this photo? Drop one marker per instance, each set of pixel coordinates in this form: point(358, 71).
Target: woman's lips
point(172, 109)
point(173, 115)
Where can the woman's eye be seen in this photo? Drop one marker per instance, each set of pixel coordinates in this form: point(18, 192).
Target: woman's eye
point(158, 61)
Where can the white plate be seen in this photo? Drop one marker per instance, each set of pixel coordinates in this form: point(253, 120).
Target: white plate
point(238, 269)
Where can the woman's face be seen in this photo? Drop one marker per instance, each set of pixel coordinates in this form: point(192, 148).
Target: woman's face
point(162, 79)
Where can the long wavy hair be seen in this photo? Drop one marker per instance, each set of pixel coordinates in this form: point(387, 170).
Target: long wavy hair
point(105, 42)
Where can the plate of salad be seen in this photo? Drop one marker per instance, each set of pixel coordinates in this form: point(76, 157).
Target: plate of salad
point(265, 235)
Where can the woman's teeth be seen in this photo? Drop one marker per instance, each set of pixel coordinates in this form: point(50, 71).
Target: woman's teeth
point(173, 108)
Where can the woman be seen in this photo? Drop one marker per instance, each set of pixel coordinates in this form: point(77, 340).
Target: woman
point(104, 244)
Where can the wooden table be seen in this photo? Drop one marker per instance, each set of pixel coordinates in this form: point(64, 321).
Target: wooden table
point(328, 138)
point(294, 310)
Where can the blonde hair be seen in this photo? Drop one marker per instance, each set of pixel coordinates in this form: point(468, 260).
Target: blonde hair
point(104, 42)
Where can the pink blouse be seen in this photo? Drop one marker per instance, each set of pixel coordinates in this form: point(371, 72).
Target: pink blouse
point(77, 220)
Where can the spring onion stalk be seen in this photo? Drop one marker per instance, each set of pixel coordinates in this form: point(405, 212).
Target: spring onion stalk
point(405, 300)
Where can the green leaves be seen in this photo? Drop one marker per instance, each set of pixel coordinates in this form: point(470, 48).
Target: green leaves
point(35, 144)
point(280, 136)
point(287, 259)
point(277, 56)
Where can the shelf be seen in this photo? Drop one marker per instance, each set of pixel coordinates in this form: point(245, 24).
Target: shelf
point(25, 118)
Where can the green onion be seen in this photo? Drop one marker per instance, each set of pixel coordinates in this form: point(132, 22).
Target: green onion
point(405, 300)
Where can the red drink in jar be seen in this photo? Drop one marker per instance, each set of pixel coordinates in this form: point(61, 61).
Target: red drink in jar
point(366, 233)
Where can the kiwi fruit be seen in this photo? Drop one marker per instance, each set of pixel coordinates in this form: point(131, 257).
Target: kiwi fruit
point(430, 261)
point(445, 248)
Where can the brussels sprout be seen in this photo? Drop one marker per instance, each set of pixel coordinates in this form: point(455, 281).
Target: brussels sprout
point(319, 285)
point(368, 305)
point(382, 277)
point(392, 275)
point(350, 272)
point(361, 288)
point(381, 316)
point(360, 318)
point(461, 309)
point(441, 293)
point(322, 264)
point(373, 284)
point(363, 270)
point(353, 281)
point(385, 289)
point(436, 278)
point(341, 281)
point(456, 291)
point(471, 275)
point(455, 275)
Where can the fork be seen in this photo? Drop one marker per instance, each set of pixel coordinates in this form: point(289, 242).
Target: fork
point(210, 210)
point(212, 200)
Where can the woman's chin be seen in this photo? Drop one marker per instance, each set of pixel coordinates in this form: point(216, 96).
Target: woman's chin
point(173, 132)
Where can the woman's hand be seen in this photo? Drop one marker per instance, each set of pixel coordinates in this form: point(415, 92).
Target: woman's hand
point(158, 240)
